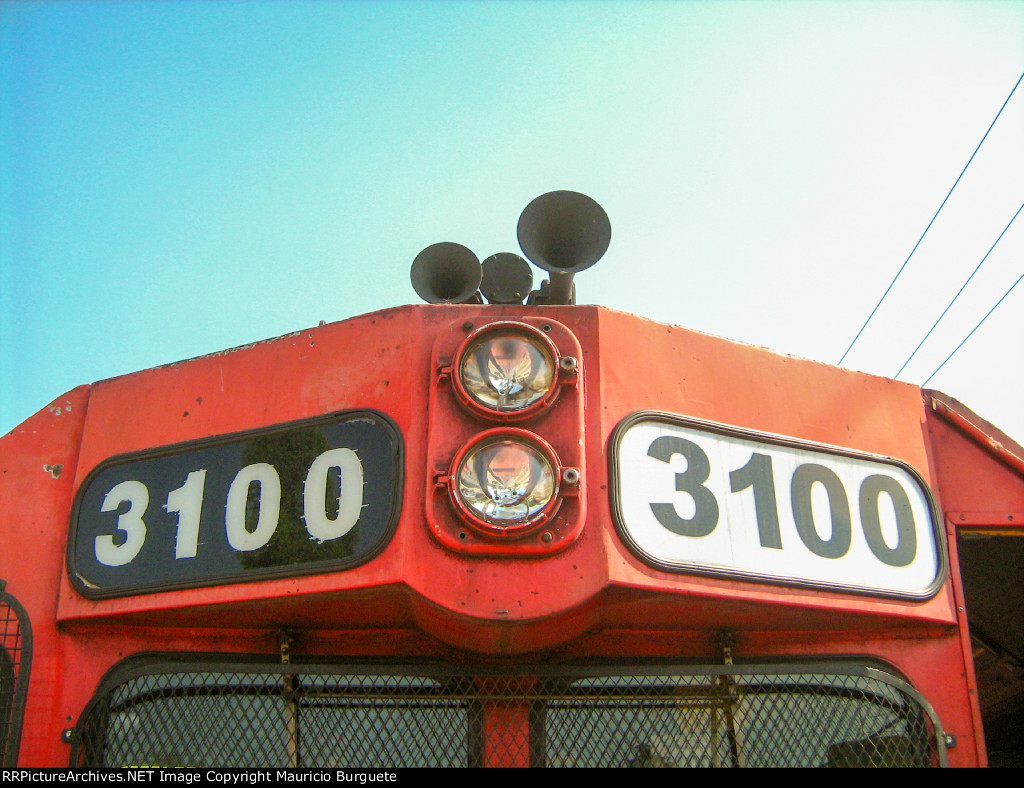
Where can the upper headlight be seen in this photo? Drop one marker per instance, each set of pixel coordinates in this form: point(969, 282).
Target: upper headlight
point(507, 370)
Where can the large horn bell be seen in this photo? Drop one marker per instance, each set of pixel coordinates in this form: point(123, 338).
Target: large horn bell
point(564, 232)
point(447, 272)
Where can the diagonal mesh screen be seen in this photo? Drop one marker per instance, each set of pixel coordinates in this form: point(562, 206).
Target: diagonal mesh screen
point(802, 720)
point(637, 717)
point(15, 652)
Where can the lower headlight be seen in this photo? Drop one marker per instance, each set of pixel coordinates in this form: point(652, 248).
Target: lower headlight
point(506, 482)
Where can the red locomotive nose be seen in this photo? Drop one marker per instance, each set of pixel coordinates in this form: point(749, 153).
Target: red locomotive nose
point(497, 534)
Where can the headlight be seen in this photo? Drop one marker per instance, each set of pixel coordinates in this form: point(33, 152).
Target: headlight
point(507, 371)
point(506, 482)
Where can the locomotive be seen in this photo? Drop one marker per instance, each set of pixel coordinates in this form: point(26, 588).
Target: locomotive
point(504, 529)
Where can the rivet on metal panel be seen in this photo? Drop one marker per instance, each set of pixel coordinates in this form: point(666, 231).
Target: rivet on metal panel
point(284, 643)
point(726, 641)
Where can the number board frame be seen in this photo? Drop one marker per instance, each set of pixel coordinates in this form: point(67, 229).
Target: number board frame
point(290, 550)
point(623, 507)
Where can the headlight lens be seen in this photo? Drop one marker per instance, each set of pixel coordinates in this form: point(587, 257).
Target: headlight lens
point(506, 482)
point(507, 370)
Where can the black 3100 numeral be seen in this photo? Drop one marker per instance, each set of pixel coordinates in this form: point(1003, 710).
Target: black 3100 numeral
point(758, 476)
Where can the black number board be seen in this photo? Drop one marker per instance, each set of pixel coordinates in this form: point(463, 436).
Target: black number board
point(306, 497)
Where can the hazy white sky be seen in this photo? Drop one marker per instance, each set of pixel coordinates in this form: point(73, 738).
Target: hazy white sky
point(179, 178)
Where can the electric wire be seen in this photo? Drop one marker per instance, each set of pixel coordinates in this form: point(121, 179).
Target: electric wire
point(926, 229)
point(993, 309)
point(958, 292)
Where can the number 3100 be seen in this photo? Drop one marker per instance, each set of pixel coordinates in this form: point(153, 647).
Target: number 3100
point(758, 476)
point(187, 503)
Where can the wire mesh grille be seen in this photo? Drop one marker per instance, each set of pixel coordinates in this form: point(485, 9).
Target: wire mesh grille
point(12, 678)
point(392, 719)
point(801, 720)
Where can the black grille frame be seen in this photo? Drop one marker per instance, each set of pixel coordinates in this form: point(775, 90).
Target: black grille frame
point(597, 716)
point(15, 664)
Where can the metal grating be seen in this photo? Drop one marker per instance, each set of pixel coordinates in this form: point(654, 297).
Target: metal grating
point(15, 657)
point(796, 720)
point(301, 716)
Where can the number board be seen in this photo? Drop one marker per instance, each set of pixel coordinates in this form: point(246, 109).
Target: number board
point(311, 496)
point(694, 496)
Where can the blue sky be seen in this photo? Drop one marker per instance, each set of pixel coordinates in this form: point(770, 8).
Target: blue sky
point(180, 178)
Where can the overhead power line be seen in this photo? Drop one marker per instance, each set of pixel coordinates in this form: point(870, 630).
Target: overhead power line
point(926, 229)
point(993, 309)
point(958, 292)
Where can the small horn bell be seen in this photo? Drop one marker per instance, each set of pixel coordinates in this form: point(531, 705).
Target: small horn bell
point(447, 272)
point(507, 279)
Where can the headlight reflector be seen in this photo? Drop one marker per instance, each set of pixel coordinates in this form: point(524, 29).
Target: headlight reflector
point(506, 482)
point(508, 370)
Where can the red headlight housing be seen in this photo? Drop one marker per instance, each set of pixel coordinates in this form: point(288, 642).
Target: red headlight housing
point(495, 488)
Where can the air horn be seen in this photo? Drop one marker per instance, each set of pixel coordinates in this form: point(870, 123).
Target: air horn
point(447, 273)
point(562, 232)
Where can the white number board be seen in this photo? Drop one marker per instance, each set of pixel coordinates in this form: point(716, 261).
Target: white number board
point(693, 496)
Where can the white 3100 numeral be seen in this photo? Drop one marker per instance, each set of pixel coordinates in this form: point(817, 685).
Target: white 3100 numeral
point(187, 502)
